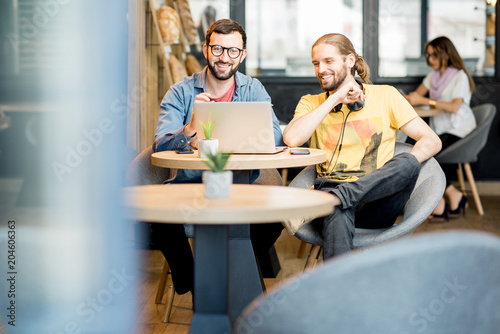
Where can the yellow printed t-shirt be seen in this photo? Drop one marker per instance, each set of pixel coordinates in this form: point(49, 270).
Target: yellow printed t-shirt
point(369, 135)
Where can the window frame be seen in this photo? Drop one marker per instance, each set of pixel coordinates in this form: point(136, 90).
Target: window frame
point(370, 45)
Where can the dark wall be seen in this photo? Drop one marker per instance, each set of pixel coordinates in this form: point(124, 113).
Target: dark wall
point(286, 94)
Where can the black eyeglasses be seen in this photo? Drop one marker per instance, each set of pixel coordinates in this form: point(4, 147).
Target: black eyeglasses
point(232, 52)
point(430, 55)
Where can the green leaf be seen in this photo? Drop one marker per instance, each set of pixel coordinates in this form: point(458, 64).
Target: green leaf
point(208, 128)
point(217, 162)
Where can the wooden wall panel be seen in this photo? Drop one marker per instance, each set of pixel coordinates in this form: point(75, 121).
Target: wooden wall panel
point(149, 74)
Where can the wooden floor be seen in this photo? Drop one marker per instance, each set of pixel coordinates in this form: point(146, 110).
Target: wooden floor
point(151, 314)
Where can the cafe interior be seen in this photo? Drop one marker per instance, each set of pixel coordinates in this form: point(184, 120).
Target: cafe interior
point(81, 84)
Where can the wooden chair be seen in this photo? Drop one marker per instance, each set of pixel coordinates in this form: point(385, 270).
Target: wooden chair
point(166, 280)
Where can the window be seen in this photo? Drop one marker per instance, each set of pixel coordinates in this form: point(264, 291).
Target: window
point(206, 12)
point(404, 30)
point(282, 32)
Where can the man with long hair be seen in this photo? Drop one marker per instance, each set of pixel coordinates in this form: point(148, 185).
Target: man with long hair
point(355, 122)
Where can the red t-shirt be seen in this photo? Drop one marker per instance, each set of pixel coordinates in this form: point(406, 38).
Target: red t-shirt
point(227, 96)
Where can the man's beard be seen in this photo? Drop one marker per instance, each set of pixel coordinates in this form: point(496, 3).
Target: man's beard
point(337, 81)
point(220, 76)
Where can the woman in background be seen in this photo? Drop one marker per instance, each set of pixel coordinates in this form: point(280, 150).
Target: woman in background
point(450, 87)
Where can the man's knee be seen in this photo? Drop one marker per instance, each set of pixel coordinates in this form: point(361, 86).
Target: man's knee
point(405, 164)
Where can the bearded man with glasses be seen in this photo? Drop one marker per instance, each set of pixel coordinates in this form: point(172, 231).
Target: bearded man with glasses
point(219, 81)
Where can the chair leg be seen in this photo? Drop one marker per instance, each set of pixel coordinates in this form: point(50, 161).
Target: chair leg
point(284, 175)
point(170, 300)
point(475, 194)
point(313, 256)
point(302, 249)
point(166, 279)
point(163, 282)
point(460, 176)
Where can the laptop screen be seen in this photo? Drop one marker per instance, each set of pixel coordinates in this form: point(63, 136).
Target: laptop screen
point(240, 127)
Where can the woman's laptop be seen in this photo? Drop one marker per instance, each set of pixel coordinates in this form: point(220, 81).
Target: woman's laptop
point(240, 127)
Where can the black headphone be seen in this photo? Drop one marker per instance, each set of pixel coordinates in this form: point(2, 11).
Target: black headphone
point(353, 106)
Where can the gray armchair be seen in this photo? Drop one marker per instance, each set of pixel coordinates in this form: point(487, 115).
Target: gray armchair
point(141, 172)
point(425, 196)
point(445, 282)
point(466, 150)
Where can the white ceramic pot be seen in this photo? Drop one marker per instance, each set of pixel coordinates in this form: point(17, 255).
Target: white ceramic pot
point(208, 145)
point(217, 185)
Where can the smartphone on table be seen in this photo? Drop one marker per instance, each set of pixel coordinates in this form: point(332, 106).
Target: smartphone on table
point(184, 151)
point(299, 150)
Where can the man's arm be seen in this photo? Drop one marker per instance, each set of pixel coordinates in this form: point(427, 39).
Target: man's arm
point(427, 143)
point(170, 130)
point(301, 128)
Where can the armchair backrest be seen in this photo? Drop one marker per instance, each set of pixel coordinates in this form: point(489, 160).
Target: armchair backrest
point(468, 148)
point(444, 282)
point(141, 172)
point(426, 195)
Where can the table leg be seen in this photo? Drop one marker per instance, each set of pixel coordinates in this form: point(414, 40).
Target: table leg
point(245, 277)
point(242, 176)
point(211, 280)
point(245, 280)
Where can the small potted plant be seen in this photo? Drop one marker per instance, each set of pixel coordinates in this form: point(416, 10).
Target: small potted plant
point(208, 144)
point(217, 181)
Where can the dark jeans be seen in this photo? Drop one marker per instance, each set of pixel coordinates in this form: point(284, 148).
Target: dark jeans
point(174, 245)
point(373, 201)
point(450, 170)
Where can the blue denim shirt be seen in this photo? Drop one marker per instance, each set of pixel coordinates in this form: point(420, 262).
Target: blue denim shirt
point(177, 106)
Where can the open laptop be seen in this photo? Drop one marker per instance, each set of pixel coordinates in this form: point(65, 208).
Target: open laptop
point(240, 127)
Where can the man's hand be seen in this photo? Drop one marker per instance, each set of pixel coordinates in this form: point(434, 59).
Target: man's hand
point(300, 129)
point(203, 97)
point(348, 93)
point(190, 128)
point(194, 143)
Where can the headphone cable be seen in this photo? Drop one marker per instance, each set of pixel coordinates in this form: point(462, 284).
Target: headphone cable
point(341, 139)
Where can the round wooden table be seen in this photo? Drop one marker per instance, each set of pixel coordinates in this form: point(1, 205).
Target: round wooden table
point(426, 111)
point(214, 263)
point(187, 204)
point(243, 256)
point(170, 159)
